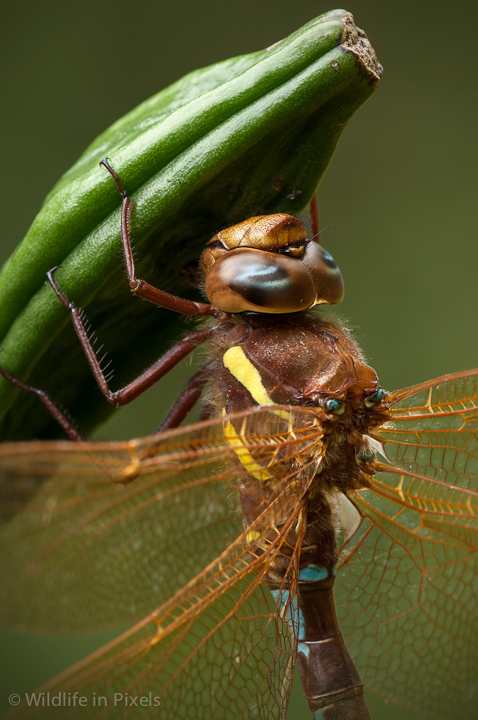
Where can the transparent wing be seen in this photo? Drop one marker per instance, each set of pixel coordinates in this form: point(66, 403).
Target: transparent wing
point(95, 536)
point(221, 647)
point(433, 429)
point(407, 590)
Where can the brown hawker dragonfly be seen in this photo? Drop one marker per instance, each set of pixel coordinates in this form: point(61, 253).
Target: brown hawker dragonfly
point(309, 518)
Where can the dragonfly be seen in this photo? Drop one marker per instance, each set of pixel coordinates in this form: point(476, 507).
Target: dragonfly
point(309, 518)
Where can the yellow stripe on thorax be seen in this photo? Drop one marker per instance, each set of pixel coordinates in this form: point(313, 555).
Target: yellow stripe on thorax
point(244, 371)
point(244, 455)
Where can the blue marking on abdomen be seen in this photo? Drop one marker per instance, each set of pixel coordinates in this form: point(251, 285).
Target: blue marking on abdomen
point(312, 573)
point(293, 614)
point(303, 648)
point(301, 633)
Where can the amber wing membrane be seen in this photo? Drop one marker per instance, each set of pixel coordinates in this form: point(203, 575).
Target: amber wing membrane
point(407, 591)
point(433, 430)
point(95, 549)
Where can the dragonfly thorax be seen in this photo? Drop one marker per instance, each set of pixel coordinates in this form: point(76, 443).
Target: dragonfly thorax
point(294, 360)
point(306, 362)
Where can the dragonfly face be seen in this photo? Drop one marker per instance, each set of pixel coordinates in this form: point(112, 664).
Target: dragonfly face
point(268, 532)
point(267, 265)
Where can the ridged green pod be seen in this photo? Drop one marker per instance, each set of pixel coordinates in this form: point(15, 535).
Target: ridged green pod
point(250, 135)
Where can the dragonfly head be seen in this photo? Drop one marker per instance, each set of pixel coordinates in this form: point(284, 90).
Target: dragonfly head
point(267, 265)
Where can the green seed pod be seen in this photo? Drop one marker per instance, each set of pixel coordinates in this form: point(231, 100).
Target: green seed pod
point(251, 135)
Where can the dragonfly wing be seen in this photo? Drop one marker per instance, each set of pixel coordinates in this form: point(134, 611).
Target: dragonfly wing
point(80, 551)
point(220, 648)
point(433, 429)
point(407, 590)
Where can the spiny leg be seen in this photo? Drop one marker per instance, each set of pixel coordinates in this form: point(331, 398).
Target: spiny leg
point(314, 216)
point(188, 399)
point(162, 366)
point(135, 388)
point(139, 287)
point(48, 403)
point(131, 391)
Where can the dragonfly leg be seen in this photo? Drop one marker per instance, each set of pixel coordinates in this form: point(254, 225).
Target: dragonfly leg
point(139, 287)
point(185, 403)
point(48, 403)
point(314, 216)
point(154, 373)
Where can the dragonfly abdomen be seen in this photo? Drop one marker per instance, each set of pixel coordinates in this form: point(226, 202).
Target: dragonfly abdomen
point(330, 680)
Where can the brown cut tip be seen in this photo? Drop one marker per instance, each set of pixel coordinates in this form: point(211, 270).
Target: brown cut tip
point(355, 40)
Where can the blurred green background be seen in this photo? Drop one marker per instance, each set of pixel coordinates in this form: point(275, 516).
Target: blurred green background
point(403, 178)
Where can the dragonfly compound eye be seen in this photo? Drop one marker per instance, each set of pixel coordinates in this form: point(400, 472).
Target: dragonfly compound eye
point(258, 281)
point(295, 276)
